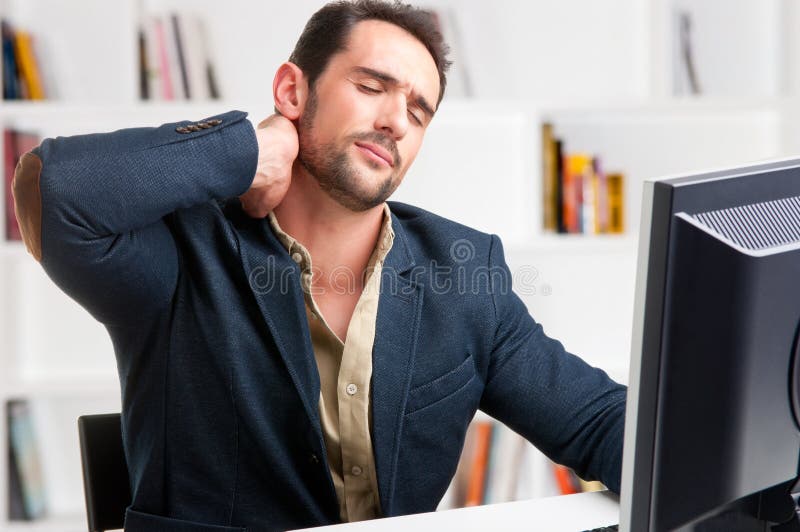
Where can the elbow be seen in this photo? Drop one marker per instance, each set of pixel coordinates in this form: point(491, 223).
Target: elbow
point(28, 202)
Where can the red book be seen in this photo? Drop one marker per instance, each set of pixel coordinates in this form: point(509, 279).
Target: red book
point(16, 144)
point(12, 228)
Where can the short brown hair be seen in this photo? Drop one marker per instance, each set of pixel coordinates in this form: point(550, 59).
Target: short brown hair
point(328, 29)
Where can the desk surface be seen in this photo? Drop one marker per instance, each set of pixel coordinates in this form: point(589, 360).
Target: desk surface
point(569, 513)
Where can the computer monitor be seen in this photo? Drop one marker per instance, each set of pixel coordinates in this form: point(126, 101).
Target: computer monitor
point(711, 433)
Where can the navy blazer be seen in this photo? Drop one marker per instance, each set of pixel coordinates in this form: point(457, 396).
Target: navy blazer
point(219, 382)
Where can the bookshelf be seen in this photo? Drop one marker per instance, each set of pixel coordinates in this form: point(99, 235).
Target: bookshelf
point(603, 75)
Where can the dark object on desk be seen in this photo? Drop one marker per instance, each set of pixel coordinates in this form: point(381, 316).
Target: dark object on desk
point(711, 439)
point(610, 528)
point(105, 471)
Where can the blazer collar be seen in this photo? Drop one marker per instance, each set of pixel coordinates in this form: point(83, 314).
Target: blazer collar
point(399, 259)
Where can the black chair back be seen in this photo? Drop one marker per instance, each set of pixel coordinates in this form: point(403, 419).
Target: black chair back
point(105, 472)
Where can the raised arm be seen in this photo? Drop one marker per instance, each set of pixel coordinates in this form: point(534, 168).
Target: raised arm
point(92, 207)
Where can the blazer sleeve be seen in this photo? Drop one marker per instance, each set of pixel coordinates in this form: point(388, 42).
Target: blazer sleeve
point(92, 207)
point(571, 411)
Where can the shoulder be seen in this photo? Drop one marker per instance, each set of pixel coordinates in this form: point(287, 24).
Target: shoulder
point(435, 237)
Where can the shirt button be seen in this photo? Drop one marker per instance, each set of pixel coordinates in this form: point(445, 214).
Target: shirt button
point(356, 470)
point(352, 389)
point(297, 257)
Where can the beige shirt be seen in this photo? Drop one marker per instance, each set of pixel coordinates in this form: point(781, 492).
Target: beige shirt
point(345, 371)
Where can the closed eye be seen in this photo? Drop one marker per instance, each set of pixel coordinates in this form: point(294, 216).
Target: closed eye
point(368, 89)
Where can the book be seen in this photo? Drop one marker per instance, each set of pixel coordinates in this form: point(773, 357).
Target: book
point(591, 485)
point(506, 458)
point(16, 144)
point(588, 202)
point(196, 60)
point(166, 76)
point(144, 92)
point(559, 155)
point(461, 476)
point(685, 79)
point(10, 79)
point(16, 505)
point(600, 197)
point(28, 67)
point(490, 483)
point(208, 77)
point(616, 203)
point(478, 463)
point(153, 75)
point(566, 479)
point(578, 196)
point(577, 171)
point(25, 457)
point(175, 61)
point(181, 54)
point(12, 227)
point(551, 177)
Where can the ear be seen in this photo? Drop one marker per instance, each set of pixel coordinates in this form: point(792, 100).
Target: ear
point(290, 90)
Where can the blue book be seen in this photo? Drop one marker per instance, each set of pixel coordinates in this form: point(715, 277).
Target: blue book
point(25, 454)
point(9, 63)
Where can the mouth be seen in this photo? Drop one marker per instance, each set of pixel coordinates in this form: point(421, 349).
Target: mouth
point(376, 153)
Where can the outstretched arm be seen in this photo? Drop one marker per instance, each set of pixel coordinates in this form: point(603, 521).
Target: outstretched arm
point(571, 411)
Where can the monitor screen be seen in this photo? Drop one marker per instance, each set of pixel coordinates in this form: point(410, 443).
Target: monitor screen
point(711, 434)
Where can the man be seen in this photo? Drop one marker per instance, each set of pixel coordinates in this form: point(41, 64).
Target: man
point(305, 353)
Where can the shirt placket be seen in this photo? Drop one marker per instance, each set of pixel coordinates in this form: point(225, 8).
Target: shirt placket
point(353, 392)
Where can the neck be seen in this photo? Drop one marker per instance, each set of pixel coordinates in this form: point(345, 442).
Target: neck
point(334, 235)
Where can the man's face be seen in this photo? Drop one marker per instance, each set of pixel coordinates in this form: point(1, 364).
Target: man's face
point(364, 121)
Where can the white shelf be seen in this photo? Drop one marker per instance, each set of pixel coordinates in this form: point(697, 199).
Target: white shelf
point(576, 244)
point(479, 163)
point(450, 107)
point(14, 249)
point(67, 523)
point(53, 388)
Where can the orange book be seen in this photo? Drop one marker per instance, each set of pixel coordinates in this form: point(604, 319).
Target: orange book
point(577, 171)
point(29, 70)
point(564, 480)
point(616, 203)
point(480, 459)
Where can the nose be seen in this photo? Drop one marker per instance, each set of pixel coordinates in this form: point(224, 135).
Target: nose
point(393, 117)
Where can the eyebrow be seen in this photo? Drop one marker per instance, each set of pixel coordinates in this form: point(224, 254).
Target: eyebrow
point(391, 80)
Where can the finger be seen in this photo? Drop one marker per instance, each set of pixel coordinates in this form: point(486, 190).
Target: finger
point(264, 123)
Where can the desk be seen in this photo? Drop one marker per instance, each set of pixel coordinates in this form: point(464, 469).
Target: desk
point(568, 513)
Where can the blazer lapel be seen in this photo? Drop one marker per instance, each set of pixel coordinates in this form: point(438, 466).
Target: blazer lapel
point(273, 277)
point(264, 260)
point(399, 311)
